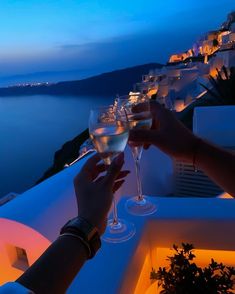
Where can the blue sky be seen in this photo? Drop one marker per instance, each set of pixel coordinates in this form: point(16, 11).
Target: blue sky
point(96, 36)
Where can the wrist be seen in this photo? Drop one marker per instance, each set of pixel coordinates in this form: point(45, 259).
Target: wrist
point(78, 239)
point(189, 154)
point(94, 220)
point(88, 234)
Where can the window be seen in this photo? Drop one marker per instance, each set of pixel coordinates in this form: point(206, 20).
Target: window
point(21, 261)
point(18, 257)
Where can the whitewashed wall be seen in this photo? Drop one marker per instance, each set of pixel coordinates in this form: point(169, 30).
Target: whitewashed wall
point(216, 124)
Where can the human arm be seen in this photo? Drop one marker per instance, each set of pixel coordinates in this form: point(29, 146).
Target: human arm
point(173, 138)
point(218, 164)
point(56, 268)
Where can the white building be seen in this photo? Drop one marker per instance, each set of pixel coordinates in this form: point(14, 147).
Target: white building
point(228, 38)
point(227, 57)
point(178, 83)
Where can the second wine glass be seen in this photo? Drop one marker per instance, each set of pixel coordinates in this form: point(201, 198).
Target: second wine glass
point(137, 110)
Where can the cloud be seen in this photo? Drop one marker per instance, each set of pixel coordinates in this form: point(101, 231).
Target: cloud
point(128, 50)
point(175, 34)
point(108, 54)
point(69, 46)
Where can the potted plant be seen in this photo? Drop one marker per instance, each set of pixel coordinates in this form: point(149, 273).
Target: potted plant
point(183, 276)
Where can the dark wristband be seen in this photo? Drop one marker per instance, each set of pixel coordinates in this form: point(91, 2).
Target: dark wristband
point(83, 230)
point(85, 244)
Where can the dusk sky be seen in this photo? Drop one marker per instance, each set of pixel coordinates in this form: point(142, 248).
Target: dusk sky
point(96, 36)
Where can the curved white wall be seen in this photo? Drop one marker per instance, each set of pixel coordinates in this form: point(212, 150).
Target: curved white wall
point(32, 220)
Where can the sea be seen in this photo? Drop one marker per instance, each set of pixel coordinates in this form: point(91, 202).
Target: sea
point(32, 128)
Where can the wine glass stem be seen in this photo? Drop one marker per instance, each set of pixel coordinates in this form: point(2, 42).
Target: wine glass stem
point(139, 184)
point(115, 215)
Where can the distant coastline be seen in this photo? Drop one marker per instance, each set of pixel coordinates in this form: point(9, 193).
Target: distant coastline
point(111, 83)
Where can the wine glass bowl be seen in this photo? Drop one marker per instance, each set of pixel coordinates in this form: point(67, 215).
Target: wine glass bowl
point(109, 137)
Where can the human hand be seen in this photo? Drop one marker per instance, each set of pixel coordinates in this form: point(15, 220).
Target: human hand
point(167, 133)
point(94, 193)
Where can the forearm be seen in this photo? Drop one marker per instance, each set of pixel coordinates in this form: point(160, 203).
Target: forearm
point(218, 164)
point(56, 268)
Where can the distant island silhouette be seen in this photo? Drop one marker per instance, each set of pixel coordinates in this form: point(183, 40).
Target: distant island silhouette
point(111, 83)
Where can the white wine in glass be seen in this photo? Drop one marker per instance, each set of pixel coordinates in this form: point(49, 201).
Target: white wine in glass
point(110, 138)
point(137, 110)
point(109, 141)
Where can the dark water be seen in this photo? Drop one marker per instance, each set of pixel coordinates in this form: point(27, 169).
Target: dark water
point(31, 130)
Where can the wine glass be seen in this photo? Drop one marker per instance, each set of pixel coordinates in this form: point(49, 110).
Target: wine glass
point(140, 118)
point(109, 136)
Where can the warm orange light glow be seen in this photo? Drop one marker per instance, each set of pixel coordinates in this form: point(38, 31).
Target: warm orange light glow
point(152, 289)
point(144, 281)
point(158, 258)
point(213, 72)
point(208, 47)
point(181, 56)
point(178, 57)
point(14, 234)
point(134, 96)
point(152, 92)
point(179, 105)
point(225, 196)
point(203, 257)
point(201, 94)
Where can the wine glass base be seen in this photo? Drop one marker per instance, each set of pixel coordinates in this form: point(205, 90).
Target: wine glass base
point(140, 207)
point(118, 233)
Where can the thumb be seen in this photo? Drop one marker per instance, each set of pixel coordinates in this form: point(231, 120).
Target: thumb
point(143, 136)
point(114, 169)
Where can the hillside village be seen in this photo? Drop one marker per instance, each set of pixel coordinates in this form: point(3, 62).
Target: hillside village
point(176, 85)
point(179, 82)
